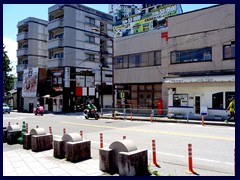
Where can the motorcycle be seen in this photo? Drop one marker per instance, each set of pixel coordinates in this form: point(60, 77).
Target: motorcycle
point(40, 110)
point(91, 114)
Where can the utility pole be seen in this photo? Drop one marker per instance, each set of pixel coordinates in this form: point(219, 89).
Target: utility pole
point(101, 69)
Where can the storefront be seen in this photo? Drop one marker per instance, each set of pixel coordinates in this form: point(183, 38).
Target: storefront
point(139, 96)
point(53, 104)
point(187, 95)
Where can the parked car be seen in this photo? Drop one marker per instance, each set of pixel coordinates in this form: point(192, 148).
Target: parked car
point(6, 108)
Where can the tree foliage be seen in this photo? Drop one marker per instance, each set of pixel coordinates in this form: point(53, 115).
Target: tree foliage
point(8, 79)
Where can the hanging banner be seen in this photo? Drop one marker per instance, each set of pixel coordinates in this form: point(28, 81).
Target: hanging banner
point(30, 81)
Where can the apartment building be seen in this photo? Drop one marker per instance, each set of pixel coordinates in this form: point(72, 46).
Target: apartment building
point(32, 61)
point(187, 68)
point(79, 59)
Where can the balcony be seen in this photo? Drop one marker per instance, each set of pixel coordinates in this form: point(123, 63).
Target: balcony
point(55, 43)
point(21, 67)
point(55, 62)
point(21, 36)
point(22, 52)
point(56, 23)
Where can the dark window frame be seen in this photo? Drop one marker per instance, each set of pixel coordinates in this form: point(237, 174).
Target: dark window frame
point(179, 55)
point(231, 45)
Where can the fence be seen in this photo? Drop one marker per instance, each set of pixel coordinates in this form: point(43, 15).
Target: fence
point(134, 112)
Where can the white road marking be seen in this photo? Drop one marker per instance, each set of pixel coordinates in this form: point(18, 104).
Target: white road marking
point(167, 154)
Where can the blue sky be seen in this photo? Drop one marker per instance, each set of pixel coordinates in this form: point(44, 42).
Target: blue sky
point(13, 13)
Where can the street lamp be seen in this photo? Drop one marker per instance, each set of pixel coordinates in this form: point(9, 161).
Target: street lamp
point(106, 35)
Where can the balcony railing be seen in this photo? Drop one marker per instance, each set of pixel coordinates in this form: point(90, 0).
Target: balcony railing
point(55, 43)
point(56, 23)
point(22, 52)
point(22, 36)
point(21, 67)
point(55, 62)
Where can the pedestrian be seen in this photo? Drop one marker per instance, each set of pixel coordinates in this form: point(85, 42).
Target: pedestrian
point(231, 108)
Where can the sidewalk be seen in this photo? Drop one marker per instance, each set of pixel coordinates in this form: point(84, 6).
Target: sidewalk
point(20, 162)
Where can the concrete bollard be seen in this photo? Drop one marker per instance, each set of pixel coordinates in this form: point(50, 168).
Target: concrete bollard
point(13, 133)
point(58, 151)
point(124, 158)
point(40, 141)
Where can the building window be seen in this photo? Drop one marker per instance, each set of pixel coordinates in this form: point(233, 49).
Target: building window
point(134, 60)
point(60, 36)
point(58, 55)
point(119, 62)
point(143, 59)
point(157, 58)
point(229, 51)
point(125, 61)
point(90, 39)
point(217, 100)
point(195, 55)
point(90, 20)
point(90, 57)
point(180, 99)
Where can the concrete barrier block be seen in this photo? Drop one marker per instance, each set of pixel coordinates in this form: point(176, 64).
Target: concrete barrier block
point(26, 141)
point(58, 151)
point(133, 163)
point(106, 160)
point(78, 151)
point(41, 142)
point(12, 136)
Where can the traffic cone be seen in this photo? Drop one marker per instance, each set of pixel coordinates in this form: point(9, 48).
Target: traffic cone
point(20, 139)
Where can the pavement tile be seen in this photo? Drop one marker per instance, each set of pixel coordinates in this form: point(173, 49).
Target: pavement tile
point(34, 165)
point(57, 171)
point(10, 174)
point(50, 165)
point(39, 170)
point(19, 164)
point(22, 171)
point(75, 172)
point(66, 165)
point(8, 169)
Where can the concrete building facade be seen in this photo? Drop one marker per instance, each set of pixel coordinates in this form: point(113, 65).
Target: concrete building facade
point(186, 68)
point(76, 55)
point(32, 55)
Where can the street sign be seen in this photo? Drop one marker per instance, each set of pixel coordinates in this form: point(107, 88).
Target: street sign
point(204, 110)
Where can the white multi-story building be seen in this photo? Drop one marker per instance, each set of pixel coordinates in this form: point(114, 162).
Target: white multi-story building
point(32, 56)
point(74, 53)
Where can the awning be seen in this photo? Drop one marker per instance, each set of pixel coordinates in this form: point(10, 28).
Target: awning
point(200, 79)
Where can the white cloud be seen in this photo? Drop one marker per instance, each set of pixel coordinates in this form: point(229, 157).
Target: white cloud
point(11, 48)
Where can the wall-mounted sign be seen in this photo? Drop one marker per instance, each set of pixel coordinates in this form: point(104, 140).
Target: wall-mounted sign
point(67, 77)
point(204, 110)
point(30, 82)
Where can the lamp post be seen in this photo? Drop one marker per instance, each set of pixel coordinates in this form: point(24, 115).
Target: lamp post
point(111, 39)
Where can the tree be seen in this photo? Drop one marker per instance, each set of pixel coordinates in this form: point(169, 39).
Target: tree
point(8, 79)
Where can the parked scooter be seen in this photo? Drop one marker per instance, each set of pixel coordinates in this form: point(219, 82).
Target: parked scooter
point(40, 110)
point(91, 114)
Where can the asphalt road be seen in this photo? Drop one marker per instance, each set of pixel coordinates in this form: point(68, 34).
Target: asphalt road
point(212, 146)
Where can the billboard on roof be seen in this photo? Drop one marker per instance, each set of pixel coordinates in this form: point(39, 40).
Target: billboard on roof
point(138, 23)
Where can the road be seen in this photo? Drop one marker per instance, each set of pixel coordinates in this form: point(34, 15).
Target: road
point(212, 146)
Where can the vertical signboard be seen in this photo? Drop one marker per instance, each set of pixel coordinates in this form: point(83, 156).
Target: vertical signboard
point(30, 82)
point(67, 77)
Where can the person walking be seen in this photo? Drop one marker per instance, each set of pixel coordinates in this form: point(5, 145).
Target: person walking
point(231, 108)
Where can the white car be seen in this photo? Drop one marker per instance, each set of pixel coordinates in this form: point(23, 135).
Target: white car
point(6, 108)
